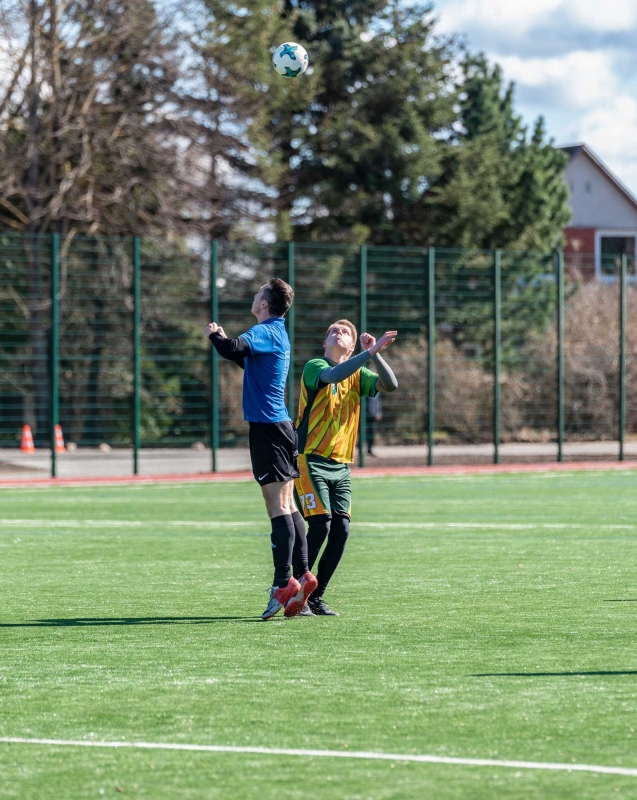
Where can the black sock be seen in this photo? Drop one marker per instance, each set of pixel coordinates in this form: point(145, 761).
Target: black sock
point(282, 539)
point(334, 549)
point(318, 529)
point(299, 554)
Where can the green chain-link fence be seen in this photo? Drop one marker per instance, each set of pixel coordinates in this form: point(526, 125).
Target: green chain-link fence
point(105, 337)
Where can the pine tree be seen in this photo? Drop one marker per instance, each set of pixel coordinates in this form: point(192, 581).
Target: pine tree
point(370, 148)
point(392, 150)
point(231, 46)
point(498, 188)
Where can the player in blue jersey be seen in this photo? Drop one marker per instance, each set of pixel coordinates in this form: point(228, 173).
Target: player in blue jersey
point(264, 353)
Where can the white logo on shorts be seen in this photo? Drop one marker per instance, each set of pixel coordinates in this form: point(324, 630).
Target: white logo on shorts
point(263, 476)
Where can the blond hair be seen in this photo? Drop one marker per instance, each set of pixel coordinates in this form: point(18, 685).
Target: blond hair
point(347, 324)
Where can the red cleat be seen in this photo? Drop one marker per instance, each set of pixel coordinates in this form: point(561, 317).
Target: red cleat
point(280, 596)
point(296, 604)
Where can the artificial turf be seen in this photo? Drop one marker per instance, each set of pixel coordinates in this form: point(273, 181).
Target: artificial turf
point(471, 626)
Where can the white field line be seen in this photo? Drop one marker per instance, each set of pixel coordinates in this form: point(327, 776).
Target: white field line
point(507, 526)
point(125, 523)
point(370, 756)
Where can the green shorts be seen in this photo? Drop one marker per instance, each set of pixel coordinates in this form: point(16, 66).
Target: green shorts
point(324, 487)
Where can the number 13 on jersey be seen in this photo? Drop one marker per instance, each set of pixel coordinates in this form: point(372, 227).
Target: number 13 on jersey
point(308, 501)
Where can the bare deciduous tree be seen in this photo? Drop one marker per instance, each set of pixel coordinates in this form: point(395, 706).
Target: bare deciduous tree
point(106, 129)
point(95, 123)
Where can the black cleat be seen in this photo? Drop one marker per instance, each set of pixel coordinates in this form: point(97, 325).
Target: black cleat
point(306, 611)
point(319, 609)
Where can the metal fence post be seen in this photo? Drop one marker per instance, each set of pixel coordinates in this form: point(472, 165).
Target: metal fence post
point(291, 331)
point(55, 347)
point(214, 356)
point(497, 351)
point(362, 437)
point(136, 351)
point(431, 344)
point(560, 355)
point(622, 356)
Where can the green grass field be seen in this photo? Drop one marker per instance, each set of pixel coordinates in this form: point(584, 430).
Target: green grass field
point(471, 625)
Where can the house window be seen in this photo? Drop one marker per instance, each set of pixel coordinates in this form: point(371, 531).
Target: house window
point(611, 249)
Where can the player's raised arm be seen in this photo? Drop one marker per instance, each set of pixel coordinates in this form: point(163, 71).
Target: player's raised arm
point(235, 350)
point(371, 348)
point(386, 379)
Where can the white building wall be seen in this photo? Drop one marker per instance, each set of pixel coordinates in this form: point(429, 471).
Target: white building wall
point(595, 200)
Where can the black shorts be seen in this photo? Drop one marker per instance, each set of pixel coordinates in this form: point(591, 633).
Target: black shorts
point(274, 452)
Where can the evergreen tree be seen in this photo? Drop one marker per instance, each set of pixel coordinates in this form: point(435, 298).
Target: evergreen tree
point(370, 148)
point(499, 187)
point(386, 147)
point(232, 61)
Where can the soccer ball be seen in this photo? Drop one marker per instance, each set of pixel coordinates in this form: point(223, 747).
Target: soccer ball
point(290, 60)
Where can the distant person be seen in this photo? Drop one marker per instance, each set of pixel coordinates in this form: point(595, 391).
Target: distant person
point(264, 353)
point(329, 414)
point(373, 417)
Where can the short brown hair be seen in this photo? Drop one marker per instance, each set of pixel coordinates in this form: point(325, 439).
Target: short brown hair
point(347, 324)
point(279, 296)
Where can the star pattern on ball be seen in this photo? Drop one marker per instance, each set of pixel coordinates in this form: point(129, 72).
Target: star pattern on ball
point(288, 50)
point(291, 73)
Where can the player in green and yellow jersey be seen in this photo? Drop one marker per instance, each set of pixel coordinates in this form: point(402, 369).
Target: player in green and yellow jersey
point(327, 425)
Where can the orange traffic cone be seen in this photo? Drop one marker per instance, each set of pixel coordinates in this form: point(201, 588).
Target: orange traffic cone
point(59, 440)
point(26, 445)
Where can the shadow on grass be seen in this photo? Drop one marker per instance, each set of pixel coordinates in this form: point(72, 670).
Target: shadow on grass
point(78, 622)
point(551, 674)
point(628, 600)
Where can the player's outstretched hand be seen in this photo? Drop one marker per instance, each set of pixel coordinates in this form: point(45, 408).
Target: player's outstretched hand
point(214, 328)
point(367, 340)
point(369, 343)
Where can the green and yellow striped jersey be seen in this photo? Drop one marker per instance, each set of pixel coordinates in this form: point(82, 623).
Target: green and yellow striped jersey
point(328, 415)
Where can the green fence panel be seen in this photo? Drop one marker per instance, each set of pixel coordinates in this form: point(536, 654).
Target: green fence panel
point(431, 354)
point(497, 354)
point(631, 350)
point(213, 388)
point(25, 316)
point(362, 328)
point(96, 342)
point(464, 347)
point(528, 350)
point(622, 356)
point(396, 299)
point(190, 401)
point(175, 373)
point(54, 364)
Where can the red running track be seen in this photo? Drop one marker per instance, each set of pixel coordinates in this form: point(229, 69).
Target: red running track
point(366, 472)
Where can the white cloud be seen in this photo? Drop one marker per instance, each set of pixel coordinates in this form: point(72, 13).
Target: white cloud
point(513, 16)
point(610, 131)
point(581, 79)
point(518, 17)
point(612, 127)
point(573, 61)
point(610, 15)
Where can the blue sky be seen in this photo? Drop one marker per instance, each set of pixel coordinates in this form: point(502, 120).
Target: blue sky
point(573, 61)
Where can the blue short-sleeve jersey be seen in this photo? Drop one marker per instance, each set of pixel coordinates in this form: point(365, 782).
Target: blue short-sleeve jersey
point(266, 371)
